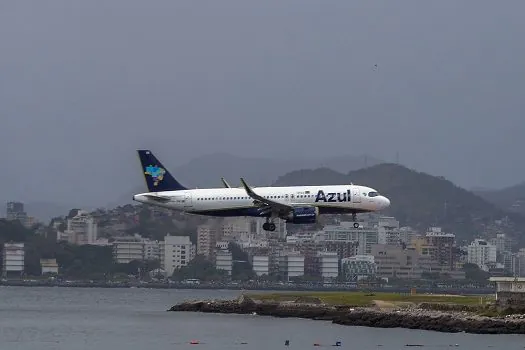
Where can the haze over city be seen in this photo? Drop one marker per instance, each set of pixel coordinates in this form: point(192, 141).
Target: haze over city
point(84, 84)
point(355, 160)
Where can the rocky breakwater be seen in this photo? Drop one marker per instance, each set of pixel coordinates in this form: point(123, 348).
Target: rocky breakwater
point(412, 318)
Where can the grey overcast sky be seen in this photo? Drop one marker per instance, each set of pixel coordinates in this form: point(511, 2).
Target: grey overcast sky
point(83, 84)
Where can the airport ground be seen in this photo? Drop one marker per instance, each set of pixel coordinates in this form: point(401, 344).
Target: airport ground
point(378, 299)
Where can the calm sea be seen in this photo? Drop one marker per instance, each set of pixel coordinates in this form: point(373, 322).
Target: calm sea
point(123, 319)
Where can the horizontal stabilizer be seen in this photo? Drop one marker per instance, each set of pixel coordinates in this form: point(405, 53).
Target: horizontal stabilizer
point(161, 199)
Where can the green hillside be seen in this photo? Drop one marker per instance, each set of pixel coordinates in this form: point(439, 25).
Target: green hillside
point(418, 199)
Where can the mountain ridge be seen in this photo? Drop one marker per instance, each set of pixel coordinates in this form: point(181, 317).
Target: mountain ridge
point(418, 199)
point(510, 198)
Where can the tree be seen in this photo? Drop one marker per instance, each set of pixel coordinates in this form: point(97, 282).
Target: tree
point(13, 231)
point(242, 268)
point(85, 261)
point(474, 273)
point(199, 268)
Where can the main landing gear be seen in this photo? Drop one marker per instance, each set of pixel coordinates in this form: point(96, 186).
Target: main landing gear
point(354, 218)
point(269, 226)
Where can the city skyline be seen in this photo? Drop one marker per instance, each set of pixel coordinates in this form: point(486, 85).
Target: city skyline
point(379, 248)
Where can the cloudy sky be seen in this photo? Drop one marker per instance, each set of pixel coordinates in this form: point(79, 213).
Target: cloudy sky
point(83, 84)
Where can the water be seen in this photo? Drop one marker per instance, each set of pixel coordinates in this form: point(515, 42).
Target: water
point(118, 319)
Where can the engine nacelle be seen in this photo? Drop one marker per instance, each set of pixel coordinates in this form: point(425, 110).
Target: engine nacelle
point(303, 215)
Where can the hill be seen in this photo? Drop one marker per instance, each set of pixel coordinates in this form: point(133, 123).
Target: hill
point(419, 200)
point(306, 177)
point(44, 211)
point(207, 170)
point(510, 198)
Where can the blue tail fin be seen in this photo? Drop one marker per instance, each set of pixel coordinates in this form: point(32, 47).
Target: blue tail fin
point(157, 177)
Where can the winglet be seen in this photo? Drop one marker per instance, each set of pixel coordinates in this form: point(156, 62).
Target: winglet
point(226, 184)
point(247, 188)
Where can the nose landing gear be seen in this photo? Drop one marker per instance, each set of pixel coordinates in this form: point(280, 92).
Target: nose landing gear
point(354, 218)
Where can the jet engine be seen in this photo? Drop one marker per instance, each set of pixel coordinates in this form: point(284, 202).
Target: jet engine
point(303, 215)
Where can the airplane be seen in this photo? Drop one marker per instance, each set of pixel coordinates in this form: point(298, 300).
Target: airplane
point(294, 204)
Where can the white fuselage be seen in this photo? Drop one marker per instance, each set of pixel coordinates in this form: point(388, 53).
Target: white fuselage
point(236, 201)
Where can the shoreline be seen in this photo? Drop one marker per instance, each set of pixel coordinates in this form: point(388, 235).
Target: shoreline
point(298, 288)
point(417, 317)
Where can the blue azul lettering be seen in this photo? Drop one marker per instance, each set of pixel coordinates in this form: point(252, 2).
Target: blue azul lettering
point(331, 196)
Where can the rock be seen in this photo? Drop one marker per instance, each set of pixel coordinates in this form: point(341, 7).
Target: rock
point(416, 318)
point(245, 301)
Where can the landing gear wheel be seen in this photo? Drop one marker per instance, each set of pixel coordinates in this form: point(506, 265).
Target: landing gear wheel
point(271, 226)
point(266, 226)
point(356, 225)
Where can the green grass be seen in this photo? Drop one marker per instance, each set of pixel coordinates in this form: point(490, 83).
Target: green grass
point(366, 299)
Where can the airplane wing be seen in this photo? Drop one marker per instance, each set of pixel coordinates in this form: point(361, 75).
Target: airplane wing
point(226, 184)
point(274, 205)
point(158, 198)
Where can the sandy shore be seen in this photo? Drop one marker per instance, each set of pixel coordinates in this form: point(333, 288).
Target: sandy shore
point(412, 318)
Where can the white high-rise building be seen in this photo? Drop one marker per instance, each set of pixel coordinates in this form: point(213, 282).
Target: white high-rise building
point(291, 264)
point(358, 267)
point(365, 236)
point(176, 252)
point(406, 235)
point(502, 243)
point(388, 231)
point(127, 249)
point(224, 261)
point(518, 263)
point(261, 265)
point(237, 229)
point(13, 258)
point(328, 264)
point(482, 254)
point(151, 250)
point(81, 229)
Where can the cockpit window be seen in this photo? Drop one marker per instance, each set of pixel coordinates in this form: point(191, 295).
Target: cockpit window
point(373, 194)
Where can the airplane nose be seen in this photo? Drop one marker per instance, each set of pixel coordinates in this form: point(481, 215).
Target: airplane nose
point(385, 202)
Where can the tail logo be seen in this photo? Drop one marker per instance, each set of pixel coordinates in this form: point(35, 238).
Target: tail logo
point(156, 173)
